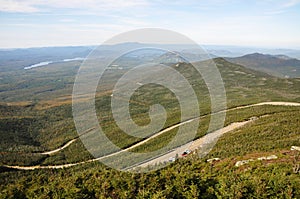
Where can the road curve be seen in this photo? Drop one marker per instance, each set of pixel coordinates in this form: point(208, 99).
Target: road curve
point(173, 127)
point(60, 148)
point(192, 145)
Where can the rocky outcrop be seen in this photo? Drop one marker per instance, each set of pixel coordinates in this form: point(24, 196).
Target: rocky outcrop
point(295, 148)
point(213, 159)
point(242, 162)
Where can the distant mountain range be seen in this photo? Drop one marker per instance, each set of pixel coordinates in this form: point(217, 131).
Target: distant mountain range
point(278, 62)
point(277, 65)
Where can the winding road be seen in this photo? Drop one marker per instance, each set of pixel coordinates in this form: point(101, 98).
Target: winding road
point(193, 145)
point(60, 148)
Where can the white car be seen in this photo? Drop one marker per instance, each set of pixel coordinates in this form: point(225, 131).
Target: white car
point(172, 159)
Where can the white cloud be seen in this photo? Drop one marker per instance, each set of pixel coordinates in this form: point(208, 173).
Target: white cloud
point(26, 6)
point(66, 20)
point(291, 3)
point(16, 6)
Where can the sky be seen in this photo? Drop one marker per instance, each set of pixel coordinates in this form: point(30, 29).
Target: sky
point(259, 23)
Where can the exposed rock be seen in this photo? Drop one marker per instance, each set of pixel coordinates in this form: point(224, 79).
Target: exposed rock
point(262, 158)
point(242, 162)
point(297, 148)
point(253, 118)
point(213, 159)
point(271, 157)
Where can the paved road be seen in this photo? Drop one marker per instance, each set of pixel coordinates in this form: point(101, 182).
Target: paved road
point(192, 146)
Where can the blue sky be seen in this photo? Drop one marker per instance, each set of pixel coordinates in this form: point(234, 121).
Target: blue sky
point(264, 23)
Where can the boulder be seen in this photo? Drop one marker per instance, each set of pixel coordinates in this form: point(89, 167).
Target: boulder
point(297, 148)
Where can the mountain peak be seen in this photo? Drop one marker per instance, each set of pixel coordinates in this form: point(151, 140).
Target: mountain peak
point(277, 65)
point(267, 56)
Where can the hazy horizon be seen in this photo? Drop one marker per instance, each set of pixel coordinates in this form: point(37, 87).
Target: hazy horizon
point(211, 46)
point(33, 23)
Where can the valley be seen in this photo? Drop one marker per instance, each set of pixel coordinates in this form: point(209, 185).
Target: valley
point(149, 99)
point(40, 138)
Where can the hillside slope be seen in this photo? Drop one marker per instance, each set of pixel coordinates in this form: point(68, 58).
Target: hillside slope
point(43, 123)
point(278, 65)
